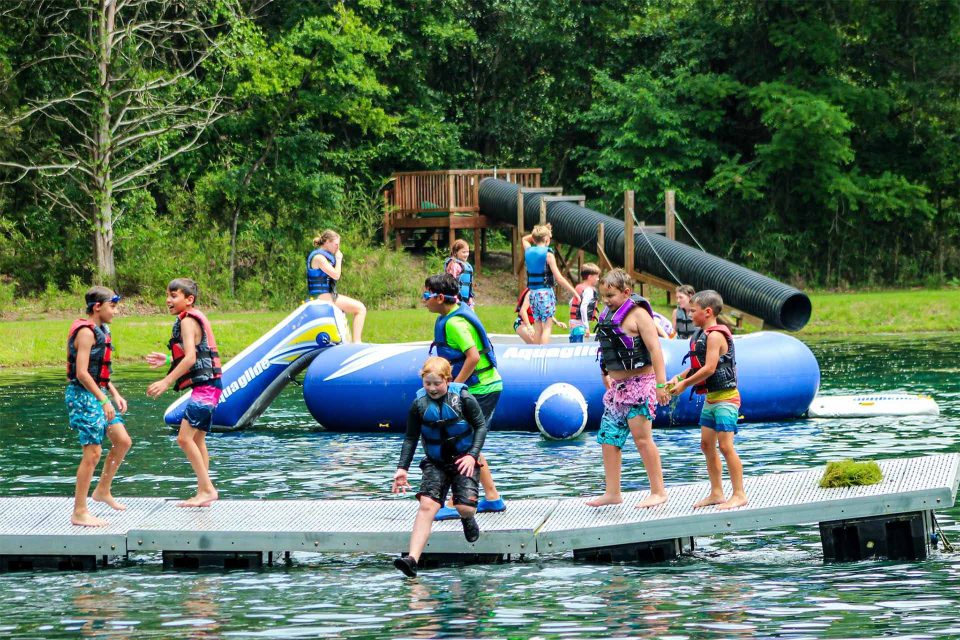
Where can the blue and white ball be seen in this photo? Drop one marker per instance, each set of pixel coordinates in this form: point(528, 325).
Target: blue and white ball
point(561, 412)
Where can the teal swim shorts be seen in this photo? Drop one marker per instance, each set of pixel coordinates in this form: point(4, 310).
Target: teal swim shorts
point(614, 429)
point(720, 416)
point(86, 415)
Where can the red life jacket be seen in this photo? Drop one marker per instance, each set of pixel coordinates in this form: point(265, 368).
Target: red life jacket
point(207, 366)
point(524, 294)
point(99, 366)
point(591, 306)
point(725, 375)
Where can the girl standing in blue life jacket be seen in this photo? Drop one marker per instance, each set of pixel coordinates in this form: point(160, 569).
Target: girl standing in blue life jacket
point(324, 268)
point(457, 266)
point(542, 273)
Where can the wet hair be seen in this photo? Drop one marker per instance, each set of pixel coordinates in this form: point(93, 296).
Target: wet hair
point(443, 283)
point(439, 366)
point(97, 295)
point(708, 299)
point(325, 237)
point(541, 232)
point(458, 245)
point(589, 269)
point(186, 286)
point(617, 279)
point(686, 290)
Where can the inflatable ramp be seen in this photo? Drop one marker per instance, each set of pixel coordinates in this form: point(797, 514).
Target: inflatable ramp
point(257, 375)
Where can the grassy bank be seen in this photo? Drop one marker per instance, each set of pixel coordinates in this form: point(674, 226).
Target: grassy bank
point(41, 342)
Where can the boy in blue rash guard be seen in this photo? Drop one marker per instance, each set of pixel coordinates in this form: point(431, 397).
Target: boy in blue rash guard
point(450, 424)
point(460, 338)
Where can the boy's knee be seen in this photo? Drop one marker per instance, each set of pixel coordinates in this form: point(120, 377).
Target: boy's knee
point(727, 449)
point(707, 446)
point(466, 511)
point(429, 505)
point(123, 443)
point(91, 454)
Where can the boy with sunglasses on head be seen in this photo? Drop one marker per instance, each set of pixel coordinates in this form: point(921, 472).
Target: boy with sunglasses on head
point(92, 415)
point(459, 337)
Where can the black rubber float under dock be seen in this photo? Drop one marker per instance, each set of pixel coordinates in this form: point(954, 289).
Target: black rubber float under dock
point(892, 519)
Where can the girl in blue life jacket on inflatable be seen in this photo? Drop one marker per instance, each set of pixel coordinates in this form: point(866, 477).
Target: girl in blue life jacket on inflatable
point(449, 422)
point(324, 268)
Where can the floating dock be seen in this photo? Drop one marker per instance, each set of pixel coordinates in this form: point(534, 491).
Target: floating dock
point(893, 518)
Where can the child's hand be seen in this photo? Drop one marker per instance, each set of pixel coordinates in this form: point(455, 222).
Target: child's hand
point(466, 465)
point(339, 256)
point(157, 388)
point(562, 325)
point(400, 484)
point(109, 411)
point(678, 387)
point(121, 402)
point(156, 359)
point(663, 396)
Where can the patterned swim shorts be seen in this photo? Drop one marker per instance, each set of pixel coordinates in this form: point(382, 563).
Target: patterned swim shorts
point(623, 401)
point(200, 408)
point(543, 303)
point(86, 415)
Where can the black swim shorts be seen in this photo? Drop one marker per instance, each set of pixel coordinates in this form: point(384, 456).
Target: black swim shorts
point(438, 478)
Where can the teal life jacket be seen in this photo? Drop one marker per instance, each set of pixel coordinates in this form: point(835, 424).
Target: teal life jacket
point(539, 275)
point(445, 433)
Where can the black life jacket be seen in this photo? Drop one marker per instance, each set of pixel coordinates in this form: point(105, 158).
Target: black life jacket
point(725, 376)
point(684, 326)
point(619, 351)
point(206, 369)
point(445, 434)
point(99, 367)
point(318, 282)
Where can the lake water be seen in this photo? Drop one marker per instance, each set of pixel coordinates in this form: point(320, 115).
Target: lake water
point(770, 583)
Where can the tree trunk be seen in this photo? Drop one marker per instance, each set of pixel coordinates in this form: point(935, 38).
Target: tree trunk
point(103, 196)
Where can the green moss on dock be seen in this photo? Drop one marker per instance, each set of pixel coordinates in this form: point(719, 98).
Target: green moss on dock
point(848, 473)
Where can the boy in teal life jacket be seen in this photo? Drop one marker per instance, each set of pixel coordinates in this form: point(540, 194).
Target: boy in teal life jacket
point(195, 365)
point(459, 337)
point(92, 415)
point(449, 422)
point(713, 371)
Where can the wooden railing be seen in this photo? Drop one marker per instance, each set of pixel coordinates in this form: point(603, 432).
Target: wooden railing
point(455, 191)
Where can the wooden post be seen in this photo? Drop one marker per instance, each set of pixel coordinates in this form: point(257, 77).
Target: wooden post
point(579, 261)
point(628, 204)
point(451, 193)
point(476, 250)
point(520, 270)
point(386, 218)
point(601, 254)
point(543, 211)
point(670, 214)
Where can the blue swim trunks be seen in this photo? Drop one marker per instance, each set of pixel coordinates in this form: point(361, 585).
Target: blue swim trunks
point(86, 415)
point(200, 408)
point(720, 416)
point(614, 429)
point(543, 304)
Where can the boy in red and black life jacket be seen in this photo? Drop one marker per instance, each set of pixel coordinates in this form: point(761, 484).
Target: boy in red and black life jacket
point(523, 325)
point(713, 371)
point(584, 310)
point(195, 365)
point(91, 413)
point(460, 338)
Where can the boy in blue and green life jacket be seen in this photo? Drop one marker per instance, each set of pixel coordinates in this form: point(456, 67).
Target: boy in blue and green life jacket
point(459, 337)
point(92, 415)
point(195, 365)
point(449, 421)
point(713, 371)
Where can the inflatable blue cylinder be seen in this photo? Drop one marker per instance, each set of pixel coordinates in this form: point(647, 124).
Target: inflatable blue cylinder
point(370, 387)
point(253, 378)
point(561, 412)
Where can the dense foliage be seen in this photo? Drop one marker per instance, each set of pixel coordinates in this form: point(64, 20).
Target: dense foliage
point(815, 141)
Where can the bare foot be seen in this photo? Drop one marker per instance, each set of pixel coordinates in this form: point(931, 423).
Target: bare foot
point(652, 500)
point(108, 500)
point(713, 498)
point(605, 499)
point(200, 500)
point(86, 519)
point(734, 502)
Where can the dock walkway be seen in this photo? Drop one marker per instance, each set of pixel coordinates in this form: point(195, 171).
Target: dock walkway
point(40, 526)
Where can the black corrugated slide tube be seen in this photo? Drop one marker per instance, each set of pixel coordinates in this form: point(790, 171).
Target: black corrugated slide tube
point(780, 305)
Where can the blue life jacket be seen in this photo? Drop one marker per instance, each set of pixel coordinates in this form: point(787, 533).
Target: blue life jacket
point(539, 275)
point(445, 434)
point(456, 357)
point(318, 281)
point(465, 278)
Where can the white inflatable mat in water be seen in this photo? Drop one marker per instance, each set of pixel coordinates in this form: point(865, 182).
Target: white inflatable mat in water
point(866, 406)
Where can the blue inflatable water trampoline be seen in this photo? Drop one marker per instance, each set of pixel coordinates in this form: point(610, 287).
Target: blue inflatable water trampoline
point(370, 387)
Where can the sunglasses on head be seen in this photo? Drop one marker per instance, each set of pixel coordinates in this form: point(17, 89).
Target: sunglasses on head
point(114, 299)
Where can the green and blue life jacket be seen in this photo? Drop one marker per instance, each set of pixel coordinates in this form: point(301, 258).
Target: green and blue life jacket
point(455, 357)
point(445, 433)
point(318, 282)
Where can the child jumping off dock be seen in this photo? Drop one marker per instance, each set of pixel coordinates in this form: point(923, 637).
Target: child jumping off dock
point(633, 373)
point(449, 421)
point(92, 414)
point(195, 365)
point(713, 371)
